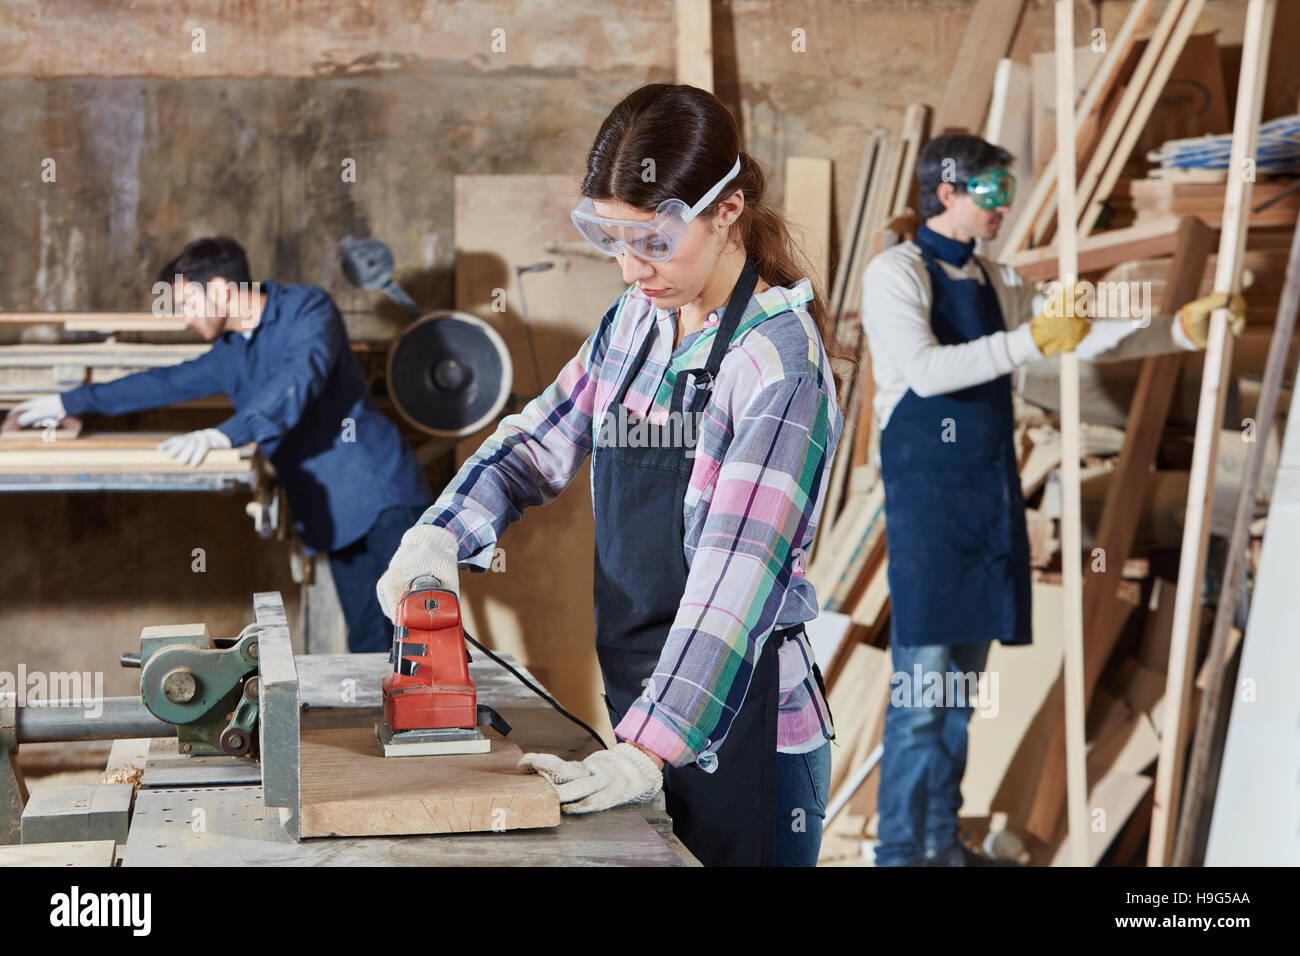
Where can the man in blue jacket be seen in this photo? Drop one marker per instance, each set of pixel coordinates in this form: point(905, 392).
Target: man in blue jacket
point(280, 352)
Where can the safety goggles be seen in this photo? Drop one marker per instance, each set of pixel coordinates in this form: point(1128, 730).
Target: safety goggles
point(992, 188)
point(655, 239)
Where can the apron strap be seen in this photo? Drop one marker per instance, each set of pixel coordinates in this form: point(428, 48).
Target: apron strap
point(741, 293)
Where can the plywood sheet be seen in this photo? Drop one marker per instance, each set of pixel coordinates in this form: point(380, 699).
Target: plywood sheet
point(349, 789)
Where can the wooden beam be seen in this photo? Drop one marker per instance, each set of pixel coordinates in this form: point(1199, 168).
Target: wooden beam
point(1200, 770)
point(1071, 496)
point(1214, 389)
point(987, 39)
point(693, 24)
point(1102, 250)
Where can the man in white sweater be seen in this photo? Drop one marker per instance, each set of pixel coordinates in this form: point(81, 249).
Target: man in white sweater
point(945, 330)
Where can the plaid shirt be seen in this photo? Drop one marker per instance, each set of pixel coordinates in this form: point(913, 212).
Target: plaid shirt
point(756, 488)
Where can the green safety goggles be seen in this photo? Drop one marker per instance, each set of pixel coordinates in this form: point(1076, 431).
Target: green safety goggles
point(992, 188)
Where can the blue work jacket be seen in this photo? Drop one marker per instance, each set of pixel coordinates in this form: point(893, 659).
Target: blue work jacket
point(298, 392)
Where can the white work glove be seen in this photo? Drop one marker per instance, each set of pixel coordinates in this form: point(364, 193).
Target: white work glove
point(192, 447)
point(34, 411)
point(425, 549)
point(606, 779)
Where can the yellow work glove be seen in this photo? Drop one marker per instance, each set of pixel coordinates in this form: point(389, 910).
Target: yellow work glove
point(1195, 316)
point(1063, 322)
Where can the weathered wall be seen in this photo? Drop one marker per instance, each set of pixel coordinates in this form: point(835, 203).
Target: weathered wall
point(155, 143)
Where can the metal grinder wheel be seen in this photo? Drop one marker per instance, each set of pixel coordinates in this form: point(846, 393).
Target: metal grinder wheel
point(449, 373)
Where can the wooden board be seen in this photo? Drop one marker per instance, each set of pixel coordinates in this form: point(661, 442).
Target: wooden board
point(349, 789)
point(693, 28)
point(808, 209)
point(987, 39)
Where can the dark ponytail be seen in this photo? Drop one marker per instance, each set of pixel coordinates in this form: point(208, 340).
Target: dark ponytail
point(665, 141)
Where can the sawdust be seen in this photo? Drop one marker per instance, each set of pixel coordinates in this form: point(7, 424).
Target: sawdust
point(124, 774)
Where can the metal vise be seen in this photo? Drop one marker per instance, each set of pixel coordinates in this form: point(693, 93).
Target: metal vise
point(207, 688)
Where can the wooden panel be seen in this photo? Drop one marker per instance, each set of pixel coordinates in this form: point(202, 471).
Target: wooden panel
point(349, 789)
point(693, 24)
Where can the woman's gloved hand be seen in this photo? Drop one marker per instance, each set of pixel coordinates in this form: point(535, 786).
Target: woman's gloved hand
point(1195, 316)
point(425, 549)
point(606, 779)
point(1063, 322)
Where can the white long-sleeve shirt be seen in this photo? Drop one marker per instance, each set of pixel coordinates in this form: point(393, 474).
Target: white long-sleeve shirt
point(905, 354)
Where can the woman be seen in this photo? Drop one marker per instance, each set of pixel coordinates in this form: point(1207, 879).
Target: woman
point(707, 403)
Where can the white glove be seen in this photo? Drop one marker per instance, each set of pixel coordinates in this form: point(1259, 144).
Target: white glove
point(425, 549)
point(606, 779)
point(192, 447)
point(44, 408)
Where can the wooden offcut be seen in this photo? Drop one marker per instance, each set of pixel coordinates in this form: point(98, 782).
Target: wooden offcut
point(348, 788)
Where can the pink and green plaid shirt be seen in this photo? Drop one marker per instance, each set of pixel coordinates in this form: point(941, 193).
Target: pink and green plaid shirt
point(757, 483)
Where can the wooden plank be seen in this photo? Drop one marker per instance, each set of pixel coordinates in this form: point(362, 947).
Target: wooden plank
point(1071, 495)
point(693, 28)
point(914, 121)
point(1041, 202)
point(1104, 173)
point(77, 853)
point(987, 39)
point(349, 789)
point(1147, 416)
point(1214, 388)
point(1009, 127)
point(98, 321)
point(808, 208)
point(239, 833)
point(840, 302)
point(1102, 250)
point(1201, 769)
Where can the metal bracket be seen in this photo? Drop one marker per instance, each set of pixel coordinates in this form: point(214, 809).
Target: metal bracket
point(13, 791)
point(278, 731)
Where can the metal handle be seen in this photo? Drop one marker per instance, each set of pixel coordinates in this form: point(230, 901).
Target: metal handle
point(130, 660)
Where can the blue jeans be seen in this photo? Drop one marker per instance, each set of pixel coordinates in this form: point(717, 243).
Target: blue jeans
point(356, 569)
point(925, 753)
point(802, 784)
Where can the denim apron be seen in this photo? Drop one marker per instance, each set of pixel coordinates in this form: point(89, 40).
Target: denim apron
point(725, 818)
point(957, 545)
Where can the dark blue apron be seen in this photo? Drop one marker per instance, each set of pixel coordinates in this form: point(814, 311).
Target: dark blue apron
point(726, 818)
point(954, 514)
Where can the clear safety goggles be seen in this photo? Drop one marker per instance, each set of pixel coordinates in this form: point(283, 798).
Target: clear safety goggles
point(992, 188)
point(655, 239)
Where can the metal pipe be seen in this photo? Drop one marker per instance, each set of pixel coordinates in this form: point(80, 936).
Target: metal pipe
point(60, 720)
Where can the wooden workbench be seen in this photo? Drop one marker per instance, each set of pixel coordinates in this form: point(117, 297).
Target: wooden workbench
point(343, 690)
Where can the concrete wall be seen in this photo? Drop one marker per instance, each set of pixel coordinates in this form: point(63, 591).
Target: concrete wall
point(155, 142)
